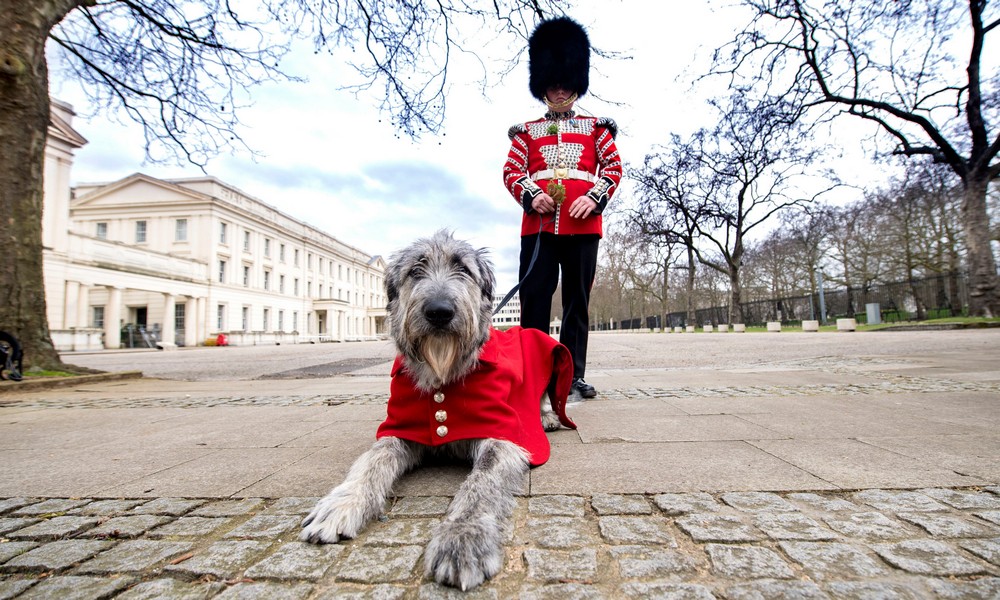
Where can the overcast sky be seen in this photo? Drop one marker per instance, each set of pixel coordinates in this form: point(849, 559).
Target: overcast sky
point(330, 159)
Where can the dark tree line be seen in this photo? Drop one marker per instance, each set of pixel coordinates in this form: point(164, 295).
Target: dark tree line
point(915, 70)
point(907, 230)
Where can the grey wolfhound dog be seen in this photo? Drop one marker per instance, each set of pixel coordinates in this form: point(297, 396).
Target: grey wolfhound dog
point(440, 293)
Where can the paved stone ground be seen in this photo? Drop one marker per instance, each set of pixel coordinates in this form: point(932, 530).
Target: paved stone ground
point(867, 544)
point(690, 418)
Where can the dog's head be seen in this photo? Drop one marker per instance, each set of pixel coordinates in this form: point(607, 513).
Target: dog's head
point(440, 292)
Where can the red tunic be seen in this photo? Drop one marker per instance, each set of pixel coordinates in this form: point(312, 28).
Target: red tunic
point(499, 399)
point(579, 153)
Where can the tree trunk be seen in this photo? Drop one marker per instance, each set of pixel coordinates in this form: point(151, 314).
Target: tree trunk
point(24, 121)
point(735, 297)
point(691, 316)
point(984, 291)
point(664, 293)
point(917, 299)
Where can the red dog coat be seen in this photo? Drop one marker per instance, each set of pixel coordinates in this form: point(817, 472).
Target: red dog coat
point(498, 399)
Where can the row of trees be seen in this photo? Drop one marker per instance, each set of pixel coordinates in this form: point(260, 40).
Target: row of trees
point(914, 70)
point(905, 231)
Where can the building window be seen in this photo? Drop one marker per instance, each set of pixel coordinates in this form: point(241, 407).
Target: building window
point(267, 317)
point(181, 230)
point(281, 320)
point(97, 317)
point(267, 248)
point(246, 276)
point(102, 231)
point(222, 271)
point(296, 257)
point(281, 284)
point(309, 289)
point(180, 311)
point(296, 286)
point(267, 280)
point(246, 318)
point(281, 253)
point(220, 317)
point(223, 227)
point(140, 232)
point(295, 321)
point(246, 241)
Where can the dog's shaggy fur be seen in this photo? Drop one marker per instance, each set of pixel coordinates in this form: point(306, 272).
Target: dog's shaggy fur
point(440, 294)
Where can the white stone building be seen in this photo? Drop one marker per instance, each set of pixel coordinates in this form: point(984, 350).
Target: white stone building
point(509, 315)
point(188, 259)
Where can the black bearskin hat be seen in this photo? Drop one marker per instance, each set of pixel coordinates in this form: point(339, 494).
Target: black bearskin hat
point(558, 54)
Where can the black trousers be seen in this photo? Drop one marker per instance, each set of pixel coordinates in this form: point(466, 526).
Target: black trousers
point(575, 256)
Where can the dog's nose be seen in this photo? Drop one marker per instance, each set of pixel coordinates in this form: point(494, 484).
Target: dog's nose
point(439, 312)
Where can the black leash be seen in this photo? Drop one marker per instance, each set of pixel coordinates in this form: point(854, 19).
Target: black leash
point(531, 264)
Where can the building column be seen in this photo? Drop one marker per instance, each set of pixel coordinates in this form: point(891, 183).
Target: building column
point(203, 326)
point(71, 299)
point(83, 307)
point(191, 322)
point(167, 331)
point(113, 319)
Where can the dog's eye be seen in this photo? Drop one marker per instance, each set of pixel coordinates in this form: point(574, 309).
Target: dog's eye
point(461, 268)
point(419, 269)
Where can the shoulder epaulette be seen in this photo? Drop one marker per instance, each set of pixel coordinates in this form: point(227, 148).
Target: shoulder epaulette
point(517, 129)
point(608, 124)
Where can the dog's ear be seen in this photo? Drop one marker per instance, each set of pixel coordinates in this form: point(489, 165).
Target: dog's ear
point(487, 279)
point(392, 280)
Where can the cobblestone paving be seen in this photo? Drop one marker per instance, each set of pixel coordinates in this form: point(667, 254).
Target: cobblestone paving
point(892, 384)
point(930, 543)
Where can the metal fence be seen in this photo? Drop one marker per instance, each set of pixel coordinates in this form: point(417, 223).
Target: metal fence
point(928, 298)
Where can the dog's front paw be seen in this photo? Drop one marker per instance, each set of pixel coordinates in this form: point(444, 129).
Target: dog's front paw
point(464, 554)
point(337, 516)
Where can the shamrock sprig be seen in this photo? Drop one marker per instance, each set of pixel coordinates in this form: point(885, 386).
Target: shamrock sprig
point(557, 191)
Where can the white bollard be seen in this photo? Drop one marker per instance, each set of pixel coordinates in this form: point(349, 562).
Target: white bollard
point(739, 328)
point(810, 325)
point(707, 329)
point(678, 329)
point(847, 324)
point(690, 328)
point(723, 328)
point(774, 326)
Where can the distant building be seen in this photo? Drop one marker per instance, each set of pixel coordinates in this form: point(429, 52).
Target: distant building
point(509, 315)
point(180, 261)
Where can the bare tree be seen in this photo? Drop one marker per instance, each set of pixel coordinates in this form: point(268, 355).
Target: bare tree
point(918, 228)
point(181, 69)
point(726, 183)
point(650, 271)
point(671, 204)
point(857, 250)
point(914, 69)
point(611, 282)
point(773, 268)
